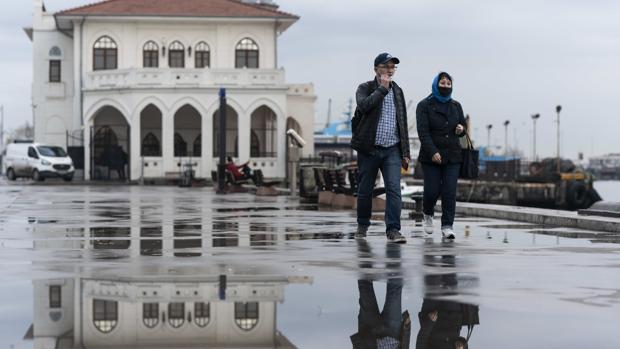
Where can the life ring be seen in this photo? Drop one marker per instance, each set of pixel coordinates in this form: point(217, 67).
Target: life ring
point(577, 194)
point(536, 169)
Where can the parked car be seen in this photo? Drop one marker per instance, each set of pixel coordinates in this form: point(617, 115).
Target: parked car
point(37, 161)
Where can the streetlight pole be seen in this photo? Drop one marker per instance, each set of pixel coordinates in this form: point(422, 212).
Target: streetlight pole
point(489, 127)
point(558, 109)
point(506, 123)
point(534, 118)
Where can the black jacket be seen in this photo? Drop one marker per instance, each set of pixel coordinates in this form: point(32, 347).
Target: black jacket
point(369, 98)
point(436, 129)
point(451, 317)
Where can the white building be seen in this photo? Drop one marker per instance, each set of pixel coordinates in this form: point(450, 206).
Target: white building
point(143, 313)
point(143, 76)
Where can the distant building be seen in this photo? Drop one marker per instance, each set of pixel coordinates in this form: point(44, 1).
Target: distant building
point(142, 77)
point(606, 166)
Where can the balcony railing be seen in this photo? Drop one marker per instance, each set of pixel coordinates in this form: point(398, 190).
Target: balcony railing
point(177, 78)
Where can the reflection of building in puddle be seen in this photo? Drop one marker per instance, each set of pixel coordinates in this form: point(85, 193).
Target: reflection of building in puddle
point(239, 311)
point(183, 245)
point(104, 238)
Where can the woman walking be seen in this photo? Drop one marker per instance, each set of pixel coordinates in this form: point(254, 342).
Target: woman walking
point(440, 122)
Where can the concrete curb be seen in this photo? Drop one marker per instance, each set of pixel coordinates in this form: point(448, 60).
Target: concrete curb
point(558, 218)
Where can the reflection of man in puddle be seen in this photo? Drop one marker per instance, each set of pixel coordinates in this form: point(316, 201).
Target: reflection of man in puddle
point(387, 328)
point(441, 320)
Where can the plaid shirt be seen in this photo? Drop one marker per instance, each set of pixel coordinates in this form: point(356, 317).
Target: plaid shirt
point(387, 343)
point(387, 130)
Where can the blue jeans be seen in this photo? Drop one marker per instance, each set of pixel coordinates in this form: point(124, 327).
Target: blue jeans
point(441, 180)
point(389, 161)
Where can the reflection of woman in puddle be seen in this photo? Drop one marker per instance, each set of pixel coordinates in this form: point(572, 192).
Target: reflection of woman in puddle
point(381, 329)
point(441, 320)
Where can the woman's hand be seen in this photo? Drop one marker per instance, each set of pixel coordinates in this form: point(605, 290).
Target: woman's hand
point(459, 129)
point(433, 316)
point(437, 158)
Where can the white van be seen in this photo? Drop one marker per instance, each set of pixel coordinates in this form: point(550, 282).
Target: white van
point(37, 161)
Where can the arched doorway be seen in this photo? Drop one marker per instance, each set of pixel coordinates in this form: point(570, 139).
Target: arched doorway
point(187, 127)
point(110, 146)
point(150, 131)
point(265, 132)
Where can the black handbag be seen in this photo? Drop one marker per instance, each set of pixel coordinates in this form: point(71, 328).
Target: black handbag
point(469, 166)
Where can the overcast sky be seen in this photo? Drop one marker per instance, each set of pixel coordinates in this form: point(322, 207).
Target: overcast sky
point(509, 59)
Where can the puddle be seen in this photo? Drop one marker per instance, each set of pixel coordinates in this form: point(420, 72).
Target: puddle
point(153, 267)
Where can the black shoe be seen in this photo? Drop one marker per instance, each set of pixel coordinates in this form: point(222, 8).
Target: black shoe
point(396, 237)
point(362, 230)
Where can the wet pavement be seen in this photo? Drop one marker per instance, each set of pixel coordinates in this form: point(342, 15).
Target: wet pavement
point(166, 267)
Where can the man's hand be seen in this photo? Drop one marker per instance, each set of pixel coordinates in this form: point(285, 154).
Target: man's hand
point(459, 129)
point(385, 81)
point(437, 158)
point(405, 163)
point(433, 316)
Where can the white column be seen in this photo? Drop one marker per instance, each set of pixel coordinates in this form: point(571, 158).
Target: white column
point(167, 145)
point(244, 234)
point(207, 146)
point(281, 131)
point(77, 77)
point(87, 128)
point(134, 227)
point(167, 228)
point(244, 124)
point(136, 143)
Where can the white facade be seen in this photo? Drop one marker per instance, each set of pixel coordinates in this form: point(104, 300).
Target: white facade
point(172, 320)
point(172, 104)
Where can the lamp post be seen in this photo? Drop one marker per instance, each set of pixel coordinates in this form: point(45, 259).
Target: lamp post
point(489, 127)
point(558, 109)
point(506, 123)
point(534, 118)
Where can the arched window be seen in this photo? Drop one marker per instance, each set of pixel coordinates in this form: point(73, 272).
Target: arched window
point(202, 314)
point(246, 54)
point(176, 55)
point(246, 315)
point(180, 146)
point(105, 54)
point(202, 55)
point(176, 314)
point(197, 146)
point(254, 145)
point(150, 53)
point(55, 52)
point(150, 314)
point(104, 139)
point(105, 315)
point(151, 146)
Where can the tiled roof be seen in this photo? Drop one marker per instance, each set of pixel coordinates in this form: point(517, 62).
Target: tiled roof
point(177, 8)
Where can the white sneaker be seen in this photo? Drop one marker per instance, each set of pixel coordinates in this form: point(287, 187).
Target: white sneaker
point(447, 233)
point(428, 224)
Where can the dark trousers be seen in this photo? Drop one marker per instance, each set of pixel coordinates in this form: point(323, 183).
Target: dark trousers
point(389, 161)
point(371, 321)
point(387, 322)
point(441, 180)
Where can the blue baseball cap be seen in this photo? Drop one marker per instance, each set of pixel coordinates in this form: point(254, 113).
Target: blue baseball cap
point(385, 57)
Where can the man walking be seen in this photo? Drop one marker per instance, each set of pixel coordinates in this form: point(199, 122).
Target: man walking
point(381, 139)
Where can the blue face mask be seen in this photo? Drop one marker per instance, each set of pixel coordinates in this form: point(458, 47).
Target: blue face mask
point(442, 94)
